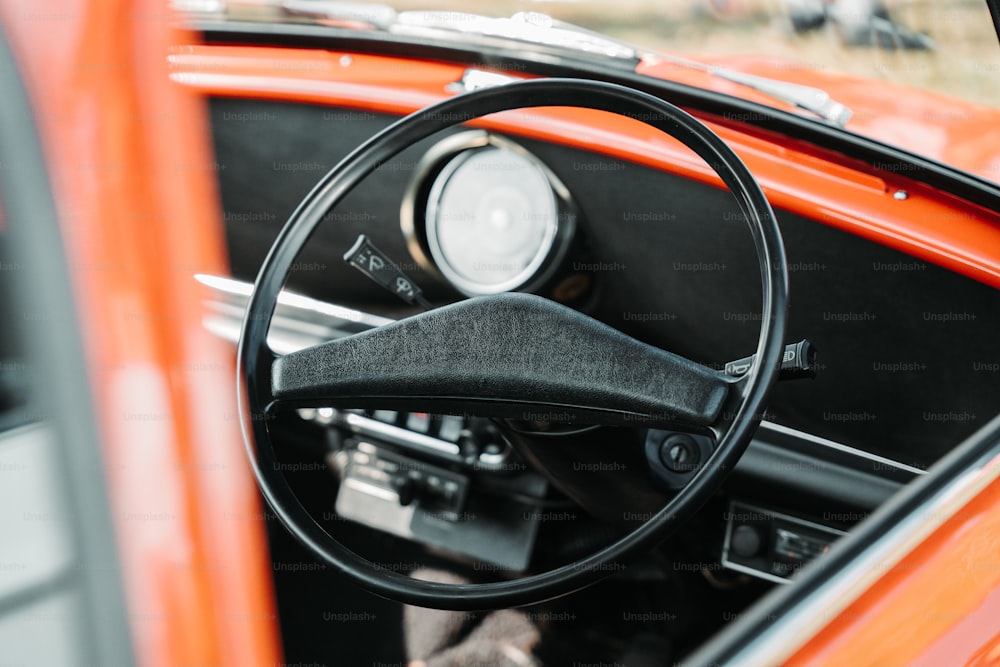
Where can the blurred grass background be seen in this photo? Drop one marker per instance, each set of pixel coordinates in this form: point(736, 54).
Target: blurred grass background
point(964, 64)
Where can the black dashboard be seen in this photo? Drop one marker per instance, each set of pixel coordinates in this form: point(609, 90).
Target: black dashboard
point(662, 258)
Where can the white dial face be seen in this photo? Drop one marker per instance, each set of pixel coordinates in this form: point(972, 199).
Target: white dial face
point(492, 218)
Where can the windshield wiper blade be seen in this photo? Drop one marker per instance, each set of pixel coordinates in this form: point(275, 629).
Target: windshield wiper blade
point(807, 98)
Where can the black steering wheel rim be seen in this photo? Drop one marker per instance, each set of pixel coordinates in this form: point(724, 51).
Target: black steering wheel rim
point(255, 358)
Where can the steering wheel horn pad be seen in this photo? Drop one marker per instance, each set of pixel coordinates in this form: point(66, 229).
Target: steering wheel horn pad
point(518, 351)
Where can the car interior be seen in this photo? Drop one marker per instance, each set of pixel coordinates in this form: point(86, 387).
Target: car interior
point(662, 258)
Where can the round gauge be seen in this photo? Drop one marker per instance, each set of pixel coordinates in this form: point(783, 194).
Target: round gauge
point(495, 219)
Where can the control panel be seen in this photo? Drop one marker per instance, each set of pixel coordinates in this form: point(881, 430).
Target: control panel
point(772, 545)
point(446, 481)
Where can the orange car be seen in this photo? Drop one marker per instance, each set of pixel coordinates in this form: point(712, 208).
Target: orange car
point(355, 334)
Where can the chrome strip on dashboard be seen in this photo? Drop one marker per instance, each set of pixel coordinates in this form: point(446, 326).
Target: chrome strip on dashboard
point(239, 288)
point(299, 321)
point(767, 426)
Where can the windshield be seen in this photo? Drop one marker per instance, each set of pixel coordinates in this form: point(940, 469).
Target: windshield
point(920, 75)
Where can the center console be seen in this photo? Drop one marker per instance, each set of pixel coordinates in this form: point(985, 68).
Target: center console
point(449, 482)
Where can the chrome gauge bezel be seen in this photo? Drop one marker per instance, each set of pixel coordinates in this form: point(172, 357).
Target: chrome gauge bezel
point(419, 208)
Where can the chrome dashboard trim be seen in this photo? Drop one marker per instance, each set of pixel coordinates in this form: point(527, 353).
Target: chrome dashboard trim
point(475, 78)
point(299, 321)
point(767, 427)
point(241, 288)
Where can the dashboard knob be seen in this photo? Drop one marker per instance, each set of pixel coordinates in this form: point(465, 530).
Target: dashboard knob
point(746, 541)
point(406, 488)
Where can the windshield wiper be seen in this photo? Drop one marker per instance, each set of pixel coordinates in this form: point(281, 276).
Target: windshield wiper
point(537, 28)
point(807, 98)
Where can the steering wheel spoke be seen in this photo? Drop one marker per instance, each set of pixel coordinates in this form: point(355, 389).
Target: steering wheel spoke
point(517, 356)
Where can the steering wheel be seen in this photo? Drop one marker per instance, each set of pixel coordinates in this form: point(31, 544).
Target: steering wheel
point(509, 355)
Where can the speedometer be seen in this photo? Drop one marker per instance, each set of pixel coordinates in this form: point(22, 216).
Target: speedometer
point(494, 217)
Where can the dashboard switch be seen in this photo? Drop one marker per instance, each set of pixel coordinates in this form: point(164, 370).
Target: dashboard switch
point(771, 545)
point(797, 361)
point(794, 546)
point(405, 488)
point(451, 428)
point(419, 422)
point(746, 541)
point(375, 264)
point(387, 416)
